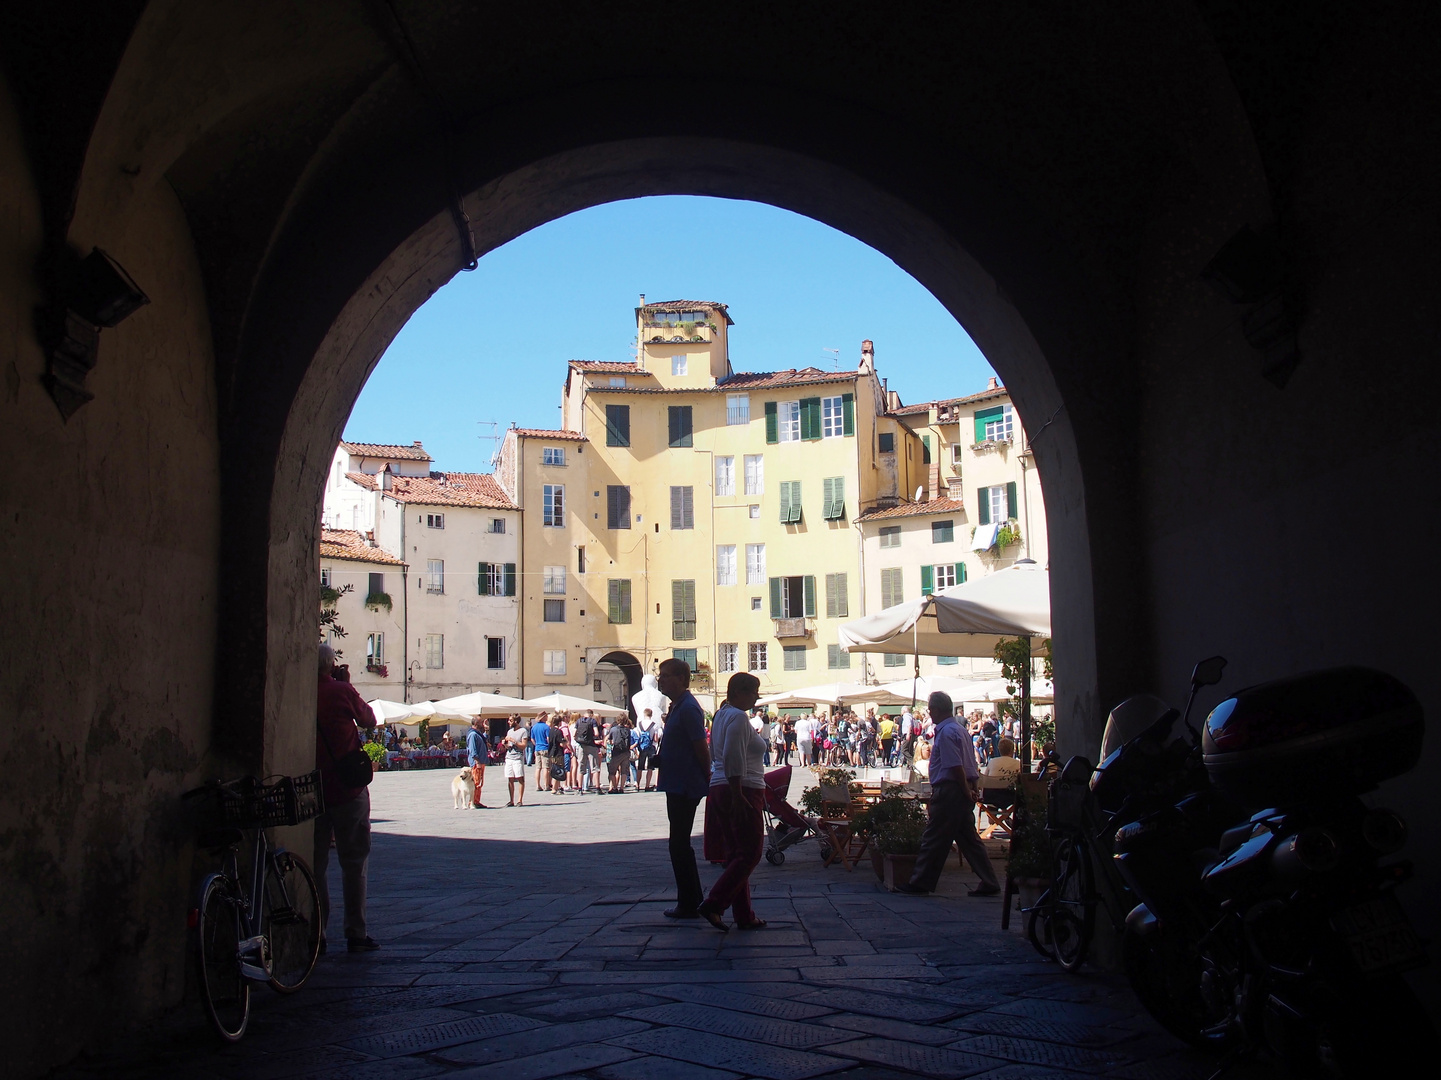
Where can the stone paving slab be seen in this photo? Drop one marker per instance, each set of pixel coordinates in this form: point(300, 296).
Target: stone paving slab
point(925, 1060)
point(779, 1008)
point(869, 1003)
point(549, 1065)
point(921, 1034)
point(423, 1040)
point(747, 1058)
point(761, 1029)
point(586, 1007)
point(1062, 1012)
point(539, 1040)
point(995, 1022)
point(659, 1068)
point(1043, 1053)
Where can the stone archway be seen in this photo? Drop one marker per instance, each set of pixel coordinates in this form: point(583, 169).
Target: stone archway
point(628, 674)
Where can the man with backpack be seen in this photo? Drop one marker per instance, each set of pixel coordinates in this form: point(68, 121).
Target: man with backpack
point(645, 749)
point(587, 741)
point(618, 742)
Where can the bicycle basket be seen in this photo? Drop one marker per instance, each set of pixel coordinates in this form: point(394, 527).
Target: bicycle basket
point(288, 801)
point(1067, 808)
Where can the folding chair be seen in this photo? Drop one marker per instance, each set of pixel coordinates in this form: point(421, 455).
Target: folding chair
point(997, 805)
point(847, 843)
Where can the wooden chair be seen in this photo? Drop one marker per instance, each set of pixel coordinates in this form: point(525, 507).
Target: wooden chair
point(846, 840)
point(997, 805)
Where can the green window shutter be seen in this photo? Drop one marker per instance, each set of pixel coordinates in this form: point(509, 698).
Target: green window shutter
point(810, 590)
point(928, 580)
point(810, 418)
point(785, 501)
point(982, 415)
point(1011, 501)
point(775, 598)
point(795, 501)
point(960, 573)
point(843, 604)
point(833, 498)
point(831, 597)
point(925, 449)
point(612, 601)
point(771, 421)
point(680, 425)
point(983, 506)
point(617, 425)
point(483, 579)
point(848, 420)
point(510, 579)
point(682, 508)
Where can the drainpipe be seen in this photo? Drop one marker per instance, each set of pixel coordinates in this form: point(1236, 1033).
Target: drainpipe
point(714, 643)
point(1025, 508)
point(520, 564)
point(404, 614)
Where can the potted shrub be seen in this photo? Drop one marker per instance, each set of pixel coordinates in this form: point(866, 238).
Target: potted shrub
point(1029, 861)
point(897, 822)
point(377, 600)
point(376, 753)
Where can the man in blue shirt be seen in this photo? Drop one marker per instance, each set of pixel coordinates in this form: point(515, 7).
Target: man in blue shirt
point(685, 779)
point(540, 739)
point(477, 753)
point(954, 787)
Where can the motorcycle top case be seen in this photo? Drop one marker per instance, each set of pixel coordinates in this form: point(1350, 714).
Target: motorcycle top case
point(1329, 733)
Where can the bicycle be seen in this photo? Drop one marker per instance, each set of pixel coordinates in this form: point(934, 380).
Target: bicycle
point(264, 929)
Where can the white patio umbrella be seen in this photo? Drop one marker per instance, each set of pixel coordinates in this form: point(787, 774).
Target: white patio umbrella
point(388, 712)
point(483, 703)
point(1042, 691)
point(432, 711)
point(823, 694)
point(922, 686)
point(559, 702)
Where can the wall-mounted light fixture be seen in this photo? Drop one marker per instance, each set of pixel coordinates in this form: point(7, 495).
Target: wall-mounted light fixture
point(91, 294)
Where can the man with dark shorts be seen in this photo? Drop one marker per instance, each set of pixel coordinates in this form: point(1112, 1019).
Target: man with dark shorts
point(685, 779)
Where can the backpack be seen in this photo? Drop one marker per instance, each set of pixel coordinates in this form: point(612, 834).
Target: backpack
point(585, 731)
point(619, 739)
point(643, 740)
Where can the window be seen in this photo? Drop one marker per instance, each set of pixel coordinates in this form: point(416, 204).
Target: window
point(553, 505)
point(497, 526)
point(893, 660)
point(435, 521)
point(617, 380)
point(833, 498)
point(793, 597)
point(435, 650)
point(755, 564)
point(837, 416)
point(925, 449)
point(725, 564)
point(755, 603)
point(682, 508)
point(580, 559)
point(435, 575)
point(553, 610)
point(688, 655)
point(837, 659)
point(756, 655)
point(553, 662)
point(945, 575)
point(617, 425)
point(943, 532)
point(377, 586)
point(617, 507)
point(496, 579)
point(891, 587)
point(994, 425)
point(946, 661)
point(727, 655)
point(553, 580)
point(678, 365)
point(955, 453)
point(755, 511)
point(495, 653)
point(725, 476)
point(738, 409)
point(679, 418)
point(996, 504)
point(755, 466)
point(794, 658)
point(552, 455)
point(618, 601)
point(941, 576)
point(682, 610)
point(890, 536)
point(788, 423)
point(790, 502)
point(374, 650)
point(838, 604)
point(325, 577)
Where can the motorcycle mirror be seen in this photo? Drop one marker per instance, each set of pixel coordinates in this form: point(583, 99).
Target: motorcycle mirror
point(1208, 672)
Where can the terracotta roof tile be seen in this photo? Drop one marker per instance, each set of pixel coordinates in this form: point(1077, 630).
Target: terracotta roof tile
point(936, 506)
point(353, 546)
point(542, 433)
point(761, 380)
point(609, 367)
point(443, 489)
point(926, 406)
point(414, 452)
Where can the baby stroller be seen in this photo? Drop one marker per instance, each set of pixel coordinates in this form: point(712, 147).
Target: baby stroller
point(785, 825)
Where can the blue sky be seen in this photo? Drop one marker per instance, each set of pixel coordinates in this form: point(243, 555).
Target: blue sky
point(493, 344)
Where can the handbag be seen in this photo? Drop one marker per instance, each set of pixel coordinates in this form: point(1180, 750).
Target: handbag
point(353, 768)
point(557, 771)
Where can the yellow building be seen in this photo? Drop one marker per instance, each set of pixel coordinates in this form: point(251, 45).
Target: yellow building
point(689, 510)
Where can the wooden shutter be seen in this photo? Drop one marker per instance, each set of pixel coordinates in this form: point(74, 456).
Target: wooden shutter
point(785, 501)
point(771, 435)
point(775, 598)
point(983, 506)
point(677, 503)
point(837, 602)
point(1011, 501)
point(617, 425)
point(925, 449)
point(688, 507)
point(831, 597)
point(673, 416)
point(617, 506)
point(810, 596)
point(928, 580)
point(679, 417)
point(795, 514)
point(510, 579)
point(483, 579)
point(960, 572)
point(848, 417)
point(810, 418)
point(982, 415)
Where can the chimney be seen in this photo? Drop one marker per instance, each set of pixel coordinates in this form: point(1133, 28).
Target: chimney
point(417, 445)
point(993, 384)
point(868, 356)
point(385, 478)
point(642, 299)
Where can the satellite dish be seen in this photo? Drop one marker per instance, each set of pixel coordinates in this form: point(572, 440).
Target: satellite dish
point(920, 490)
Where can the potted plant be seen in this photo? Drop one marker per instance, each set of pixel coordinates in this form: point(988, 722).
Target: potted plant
point(376, 753)
point(835, 785)
point(1029, 861)
point(896, 824)
point(377, 600)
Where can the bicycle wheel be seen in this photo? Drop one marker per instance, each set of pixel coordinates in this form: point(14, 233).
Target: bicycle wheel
point(290, 916)
point(1073, 917)
point(224, 991)
point(1038, 926)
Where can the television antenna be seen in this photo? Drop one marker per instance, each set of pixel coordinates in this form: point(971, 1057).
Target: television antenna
point(835, 357)
point(489, 433)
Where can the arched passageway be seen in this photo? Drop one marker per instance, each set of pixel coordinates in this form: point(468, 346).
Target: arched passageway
point(626, 683)
point(288, 186)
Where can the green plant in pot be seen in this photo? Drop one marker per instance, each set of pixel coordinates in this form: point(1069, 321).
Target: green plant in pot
point(896, 823)
point(1030, 853)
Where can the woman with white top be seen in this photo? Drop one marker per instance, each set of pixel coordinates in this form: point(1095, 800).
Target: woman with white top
point(734, 830)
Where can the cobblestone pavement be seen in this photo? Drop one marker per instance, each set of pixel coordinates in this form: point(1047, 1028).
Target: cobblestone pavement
point(528, 942)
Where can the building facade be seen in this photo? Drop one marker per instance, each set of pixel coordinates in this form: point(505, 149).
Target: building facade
point(354, 578)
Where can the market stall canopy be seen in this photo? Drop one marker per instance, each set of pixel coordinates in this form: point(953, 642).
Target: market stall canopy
point(432, 710)
point(387, 712)
point(565, 703)
point(824, 694)
point(964, 620)
point(483, 703)
point(1042, 692)
point(924, 687)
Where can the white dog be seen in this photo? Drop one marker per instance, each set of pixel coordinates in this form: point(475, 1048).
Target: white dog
point(463, 789)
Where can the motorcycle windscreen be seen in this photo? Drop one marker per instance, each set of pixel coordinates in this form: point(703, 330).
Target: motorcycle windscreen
point(1138, 715)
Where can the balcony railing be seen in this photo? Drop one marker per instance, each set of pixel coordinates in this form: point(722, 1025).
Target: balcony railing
point(794, 628)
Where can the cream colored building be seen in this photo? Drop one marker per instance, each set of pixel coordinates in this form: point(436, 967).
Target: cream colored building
point(981, 491)
point(689, 510)
point(352, 571)
point(348, 504)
